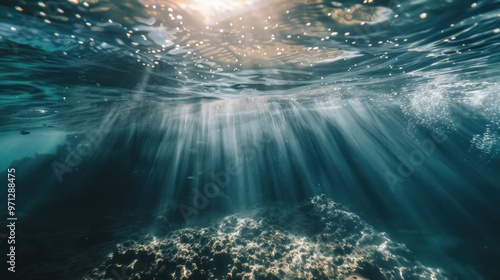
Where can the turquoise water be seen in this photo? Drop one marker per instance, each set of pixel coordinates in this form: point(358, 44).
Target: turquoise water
point(170, 139)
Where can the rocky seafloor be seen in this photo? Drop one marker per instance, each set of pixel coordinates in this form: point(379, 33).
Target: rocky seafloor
point(317, 239)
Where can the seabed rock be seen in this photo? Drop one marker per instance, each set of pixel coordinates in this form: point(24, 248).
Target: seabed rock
point(318, 239)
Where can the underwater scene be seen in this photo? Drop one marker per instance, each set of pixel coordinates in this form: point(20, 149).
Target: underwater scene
point(250, 139)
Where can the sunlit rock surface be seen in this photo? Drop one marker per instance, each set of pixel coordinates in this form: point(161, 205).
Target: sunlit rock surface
point(317, 239)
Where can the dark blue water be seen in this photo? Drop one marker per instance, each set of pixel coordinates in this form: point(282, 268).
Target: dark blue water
point(251, 139)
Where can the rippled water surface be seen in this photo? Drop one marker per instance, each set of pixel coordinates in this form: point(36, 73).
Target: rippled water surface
point(167, 139)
